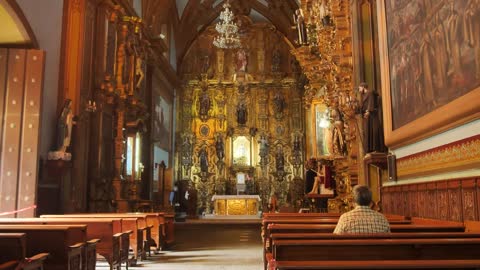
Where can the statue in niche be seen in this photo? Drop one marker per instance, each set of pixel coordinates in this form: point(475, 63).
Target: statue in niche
point(241, 61)
point(299, 19)
point(279, 160)
point(204, 105)
point(276, 60)
point(187, 155)
point(203, 156)
point(242, 113)
point(220, 148)
point(263, 142)
point(339, 145)
point(371, 110)
point(205, 63)
point(279, 103)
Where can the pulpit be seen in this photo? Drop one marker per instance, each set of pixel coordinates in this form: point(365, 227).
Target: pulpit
point(226, 205)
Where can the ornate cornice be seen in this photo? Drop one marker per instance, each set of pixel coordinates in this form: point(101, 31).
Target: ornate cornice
point(461, 154)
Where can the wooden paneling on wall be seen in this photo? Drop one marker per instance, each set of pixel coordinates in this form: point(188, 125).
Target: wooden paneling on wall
point(455, 200)
point(21, 80)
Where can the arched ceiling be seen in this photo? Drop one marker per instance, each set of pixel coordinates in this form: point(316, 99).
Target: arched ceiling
point(191, 17)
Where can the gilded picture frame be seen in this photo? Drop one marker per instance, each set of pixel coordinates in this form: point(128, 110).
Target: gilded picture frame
point(452, 112)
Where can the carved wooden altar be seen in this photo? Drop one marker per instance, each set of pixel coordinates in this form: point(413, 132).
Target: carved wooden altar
point(228, 205)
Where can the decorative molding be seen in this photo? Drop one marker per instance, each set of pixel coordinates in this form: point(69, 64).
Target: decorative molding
point(462, 154)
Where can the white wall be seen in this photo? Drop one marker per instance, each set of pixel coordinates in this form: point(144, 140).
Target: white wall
point(45, 18)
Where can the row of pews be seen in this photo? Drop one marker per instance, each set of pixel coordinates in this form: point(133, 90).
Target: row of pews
point(73, 241)
point(303, 241)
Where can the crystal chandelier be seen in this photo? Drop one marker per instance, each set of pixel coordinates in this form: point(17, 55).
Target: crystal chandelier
point(227, 30)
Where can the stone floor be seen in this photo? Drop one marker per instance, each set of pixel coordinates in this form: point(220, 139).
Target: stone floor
point(209, 246)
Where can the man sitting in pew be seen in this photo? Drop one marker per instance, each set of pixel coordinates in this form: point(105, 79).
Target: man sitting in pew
point(362, 219)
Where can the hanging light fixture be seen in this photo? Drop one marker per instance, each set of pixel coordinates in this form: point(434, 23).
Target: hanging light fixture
point(227, 29)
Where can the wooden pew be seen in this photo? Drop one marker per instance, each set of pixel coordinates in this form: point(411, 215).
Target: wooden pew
point(103, 230)
point(169, 229)
point(157, 221)
point(136, 224)
point(328, 228)
point(13, 254)
point(374, 250)
point(379, 265)
point(64, 243)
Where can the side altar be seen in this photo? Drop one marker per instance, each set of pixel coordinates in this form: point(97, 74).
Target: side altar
point(236, 204)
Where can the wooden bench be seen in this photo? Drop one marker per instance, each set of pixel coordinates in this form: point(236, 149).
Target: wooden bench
point(384, 265)
point(64, 243)
point(169, 229)
point(374, 250)
point(132, 233)
point(157, 221)
point(105, 230)
point(13, 254)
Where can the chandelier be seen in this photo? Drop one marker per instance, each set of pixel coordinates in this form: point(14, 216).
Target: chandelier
point(227, 30)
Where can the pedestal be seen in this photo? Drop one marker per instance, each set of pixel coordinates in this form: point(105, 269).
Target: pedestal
point(319, 202)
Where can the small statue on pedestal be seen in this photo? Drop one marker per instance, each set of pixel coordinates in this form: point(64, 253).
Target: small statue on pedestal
point(64, 133)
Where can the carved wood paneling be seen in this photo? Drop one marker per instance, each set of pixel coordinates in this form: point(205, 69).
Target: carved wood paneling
point(469, 199)
point(454, 200)
point(442, 200)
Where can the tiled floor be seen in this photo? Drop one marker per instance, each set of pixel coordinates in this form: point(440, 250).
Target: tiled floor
point(210, 246)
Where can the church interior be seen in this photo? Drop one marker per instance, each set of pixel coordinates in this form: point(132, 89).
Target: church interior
point(229, 134)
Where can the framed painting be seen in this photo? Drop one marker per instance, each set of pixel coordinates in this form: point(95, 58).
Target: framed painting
point(162, 122)
point(430, 62)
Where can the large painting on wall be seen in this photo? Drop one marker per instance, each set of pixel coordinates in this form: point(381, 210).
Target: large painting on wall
point(162, 122)
point(431, 49)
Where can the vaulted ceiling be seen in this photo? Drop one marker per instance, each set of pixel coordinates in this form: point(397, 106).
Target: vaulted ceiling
point(191, 17)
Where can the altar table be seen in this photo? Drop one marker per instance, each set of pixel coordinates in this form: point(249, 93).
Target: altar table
point(236, 204)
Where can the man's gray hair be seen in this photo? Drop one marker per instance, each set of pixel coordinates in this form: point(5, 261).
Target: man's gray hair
point(362, 195)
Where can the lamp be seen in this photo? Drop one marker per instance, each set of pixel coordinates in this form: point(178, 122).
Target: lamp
point(227, 30)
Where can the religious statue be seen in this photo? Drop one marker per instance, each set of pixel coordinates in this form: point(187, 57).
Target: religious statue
point(205, 63)
point(279, 103)
point(279, 160)
point(203, 156)
point(204, 105)
point(64, 133)
point(139, 73)
point(372, 115)
point(64, 127)
point(263, 142)
point(242, 113)
point(241, 60)
point(276, 60)
point(220, 147)
point(299, 19)
point(339, 146)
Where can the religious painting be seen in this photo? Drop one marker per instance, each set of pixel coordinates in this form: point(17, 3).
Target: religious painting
point(241, 151)
point(430, 53)
point(323, 136)
point(162, 122)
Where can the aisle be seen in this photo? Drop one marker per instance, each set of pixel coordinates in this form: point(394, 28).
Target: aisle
point(211, 246)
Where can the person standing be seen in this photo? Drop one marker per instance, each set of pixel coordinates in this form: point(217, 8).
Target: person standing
point(310, 175)
point(362, 219)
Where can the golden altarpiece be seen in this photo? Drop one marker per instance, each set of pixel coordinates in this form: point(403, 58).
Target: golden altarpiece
point(240, 118)
point(317, 85)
